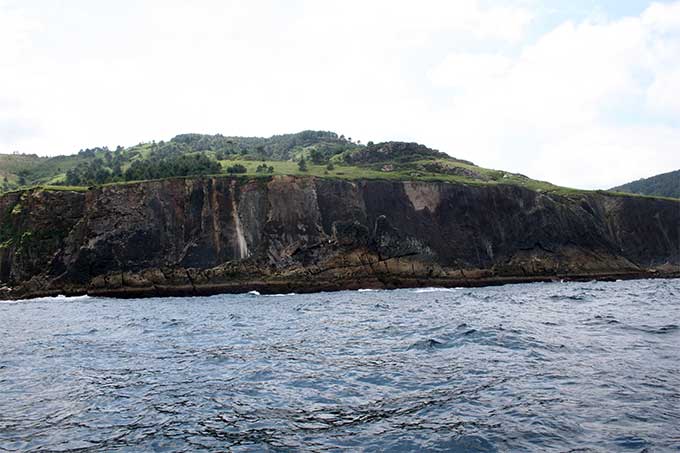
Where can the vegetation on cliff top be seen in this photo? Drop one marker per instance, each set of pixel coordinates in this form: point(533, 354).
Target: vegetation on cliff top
point(184, 155)
point(664, 185)
point(314, 153)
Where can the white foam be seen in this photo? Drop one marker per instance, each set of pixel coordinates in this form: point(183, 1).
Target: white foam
point(435, 290)
point(58, 298)
point(254, 293)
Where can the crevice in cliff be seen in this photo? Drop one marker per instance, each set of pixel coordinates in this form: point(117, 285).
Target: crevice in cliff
point(242, 245)
point(191, 280)
point(217, 229)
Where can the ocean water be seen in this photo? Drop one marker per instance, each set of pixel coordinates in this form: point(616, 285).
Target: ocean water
point(533, 367)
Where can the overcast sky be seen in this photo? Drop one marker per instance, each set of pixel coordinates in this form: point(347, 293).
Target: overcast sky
point(583, 93)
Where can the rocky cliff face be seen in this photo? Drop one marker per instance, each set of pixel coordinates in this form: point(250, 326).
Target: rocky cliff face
point(208, 235)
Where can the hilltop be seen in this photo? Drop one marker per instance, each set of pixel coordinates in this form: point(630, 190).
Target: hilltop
point(314, 153)
point(663, 185)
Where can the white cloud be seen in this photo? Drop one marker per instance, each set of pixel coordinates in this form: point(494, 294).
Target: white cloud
point(586, 104)
point(605, 156)
point(460, 76)
point(663, 95)
point(15, 35)
point(662, 17)
point(465, 69)
point(96, 74)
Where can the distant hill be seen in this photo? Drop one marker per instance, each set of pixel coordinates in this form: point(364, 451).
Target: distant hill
point(663, 185)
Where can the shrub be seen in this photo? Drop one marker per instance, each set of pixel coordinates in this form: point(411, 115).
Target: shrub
point(237, 168)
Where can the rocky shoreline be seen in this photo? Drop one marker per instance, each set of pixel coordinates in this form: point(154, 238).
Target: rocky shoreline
point(298, 288)
point(200, 236)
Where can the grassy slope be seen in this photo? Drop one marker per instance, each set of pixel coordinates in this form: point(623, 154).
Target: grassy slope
point(47, 172)
point(665, 184)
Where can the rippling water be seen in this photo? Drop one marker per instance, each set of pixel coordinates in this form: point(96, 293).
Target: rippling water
point(557, 367)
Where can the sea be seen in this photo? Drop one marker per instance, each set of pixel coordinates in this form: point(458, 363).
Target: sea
point(557, 367)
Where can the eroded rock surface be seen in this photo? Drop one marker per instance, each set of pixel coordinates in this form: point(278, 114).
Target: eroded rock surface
point(210, 235)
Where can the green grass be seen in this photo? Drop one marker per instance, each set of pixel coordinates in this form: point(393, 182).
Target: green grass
point(411, 171)
point(496, 177)
point(64, 188)
point(48, 188)
point(40, 169)
point(635, 195)
point(49, 173)
point(347, 172)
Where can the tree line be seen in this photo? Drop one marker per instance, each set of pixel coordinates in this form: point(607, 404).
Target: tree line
point(97, 172)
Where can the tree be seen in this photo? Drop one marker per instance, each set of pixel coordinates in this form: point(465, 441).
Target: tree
point(72, 177)
point(263, 168)
point(117, 170)
point(316, 156)
point(102, 175)
point(175, 165)
point(302, 164)
point(236, 168)
point(330, 166)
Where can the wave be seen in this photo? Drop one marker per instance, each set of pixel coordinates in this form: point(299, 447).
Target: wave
point(58, 298)
point(428, 344)
point(257, 293)
point(436, 290)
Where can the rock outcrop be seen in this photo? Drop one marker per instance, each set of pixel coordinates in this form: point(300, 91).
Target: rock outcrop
point(282, 234)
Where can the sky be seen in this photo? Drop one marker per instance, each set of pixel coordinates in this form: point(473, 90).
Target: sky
point(581, 93)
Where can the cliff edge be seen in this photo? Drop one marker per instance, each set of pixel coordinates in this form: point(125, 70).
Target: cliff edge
point(209, 235)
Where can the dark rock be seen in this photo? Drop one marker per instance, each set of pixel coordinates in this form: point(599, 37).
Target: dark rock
point(390, 152)
point(283, 234)
point(351, 233)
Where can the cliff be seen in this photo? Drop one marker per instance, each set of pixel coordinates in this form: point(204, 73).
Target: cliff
point(283, 234)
